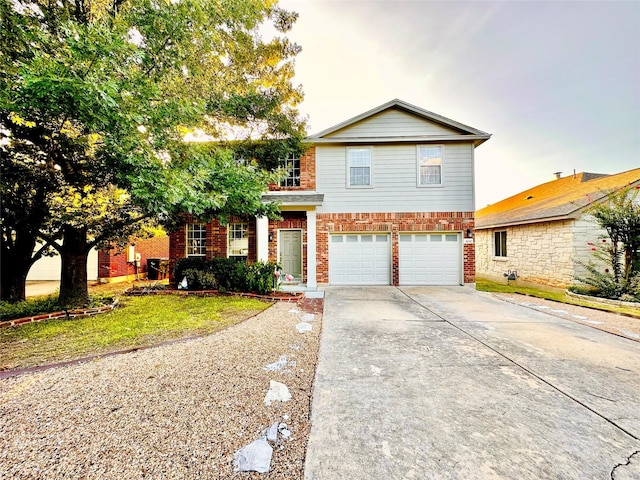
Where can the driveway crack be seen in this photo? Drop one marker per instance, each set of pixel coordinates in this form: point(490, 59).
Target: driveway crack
point(529, 371)
point(627, 463)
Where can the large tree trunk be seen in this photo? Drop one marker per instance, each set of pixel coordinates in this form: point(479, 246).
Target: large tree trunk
point(74, 291)
point(15, 264)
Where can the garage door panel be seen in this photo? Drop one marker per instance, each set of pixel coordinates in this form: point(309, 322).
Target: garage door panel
point(430, 259)
point(359, 259)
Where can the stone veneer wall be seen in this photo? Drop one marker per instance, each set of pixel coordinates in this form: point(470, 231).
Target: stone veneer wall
point(541, 253)
point(393, 223)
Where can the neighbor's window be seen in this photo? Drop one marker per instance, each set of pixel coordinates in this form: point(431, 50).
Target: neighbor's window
point(430, 165)
point(500, 244)
point(196, 239)
point(359, 166)
point(292, 166)
point(238, 240)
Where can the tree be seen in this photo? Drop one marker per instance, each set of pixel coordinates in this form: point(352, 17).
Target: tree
point(619, 250)
point(96, 99)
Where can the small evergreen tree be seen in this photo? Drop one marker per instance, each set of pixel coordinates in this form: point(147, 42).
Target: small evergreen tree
point(619, 249)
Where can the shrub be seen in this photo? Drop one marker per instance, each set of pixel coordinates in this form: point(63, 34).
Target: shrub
point(230, 274)
point(188, 263)
point(200, 279)
point(48, 304)
point(226, 275)
point(260, 277)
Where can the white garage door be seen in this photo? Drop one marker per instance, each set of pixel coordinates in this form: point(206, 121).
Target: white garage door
point(359, 259)
point(430, 259)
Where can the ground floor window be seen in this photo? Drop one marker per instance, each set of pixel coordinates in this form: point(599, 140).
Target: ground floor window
point(196, 239)
point(500, 244)
point(238, 246)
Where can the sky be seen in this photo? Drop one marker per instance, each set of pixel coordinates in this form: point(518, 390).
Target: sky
point(557, 83)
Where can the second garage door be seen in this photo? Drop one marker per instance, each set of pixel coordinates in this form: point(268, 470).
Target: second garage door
point(430, 259)
point(359, 259)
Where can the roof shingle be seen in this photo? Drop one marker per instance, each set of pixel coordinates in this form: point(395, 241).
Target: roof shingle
point(555, 200)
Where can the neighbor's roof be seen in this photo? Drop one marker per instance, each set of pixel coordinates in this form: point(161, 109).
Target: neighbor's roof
point(461, 130)
point(556, 200)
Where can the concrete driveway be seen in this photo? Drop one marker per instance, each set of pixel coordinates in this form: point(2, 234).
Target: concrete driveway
point(451, 383)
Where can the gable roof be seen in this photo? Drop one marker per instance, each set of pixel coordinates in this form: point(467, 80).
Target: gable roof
point(455, 131)
point(556, 200)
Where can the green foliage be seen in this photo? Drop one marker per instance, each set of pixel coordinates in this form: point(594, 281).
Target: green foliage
point(188, 263)
point(260, 278)
point(141, 321)
point(29, 307)
point(226, 275)
point(97, 98)
point(200, 279)
point(45, 304)
point(614, 271)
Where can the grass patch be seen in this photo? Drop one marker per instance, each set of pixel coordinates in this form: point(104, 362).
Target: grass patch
point(140, 321)
point(556, 295)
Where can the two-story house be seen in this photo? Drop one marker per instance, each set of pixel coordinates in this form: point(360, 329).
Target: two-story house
point(384, 198)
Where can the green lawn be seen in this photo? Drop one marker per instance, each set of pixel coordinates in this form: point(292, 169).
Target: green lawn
point(138, 321)
point(552, 294)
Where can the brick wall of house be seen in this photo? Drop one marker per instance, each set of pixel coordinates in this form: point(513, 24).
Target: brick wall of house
point(393, 223)
point(112, 264)
point(307, 173)
point(216, 241)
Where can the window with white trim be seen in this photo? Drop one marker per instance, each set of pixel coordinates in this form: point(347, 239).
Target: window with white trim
point(359, 167)
point(430, 165)
point(238, 245)
point(196, 239)
point(500, 243)
point(292, 166)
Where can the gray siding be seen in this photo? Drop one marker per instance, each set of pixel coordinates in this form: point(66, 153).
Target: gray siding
point(392, 123)
point(394, 178)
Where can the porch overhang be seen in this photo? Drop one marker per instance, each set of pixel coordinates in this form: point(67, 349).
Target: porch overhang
point(294, 199)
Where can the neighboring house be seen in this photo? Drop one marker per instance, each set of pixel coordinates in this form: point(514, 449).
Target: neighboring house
point(142, 259)
point(49, 268)
point(541, 232)
point(110, 265)
point(384, 198)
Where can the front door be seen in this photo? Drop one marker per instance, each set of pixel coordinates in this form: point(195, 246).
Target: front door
point(291, 253)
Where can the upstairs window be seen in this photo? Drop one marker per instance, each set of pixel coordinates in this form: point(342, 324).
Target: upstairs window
point(292, 166)
point(238, 246)
point(196, 239)
point(359, 173)
point(500, 244)
point(430, 165)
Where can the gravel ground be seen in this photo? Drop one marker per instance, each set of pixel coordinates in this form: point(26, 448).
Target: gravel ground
point(622, 325)
point(177, 411)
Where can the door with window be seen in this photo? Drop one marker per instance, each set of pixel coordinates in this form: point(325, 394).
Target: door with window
point(290, 252)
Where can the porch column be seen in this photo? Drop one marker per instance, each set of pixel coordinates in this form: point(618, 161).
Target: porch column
point(262, 239)
point(311, 250)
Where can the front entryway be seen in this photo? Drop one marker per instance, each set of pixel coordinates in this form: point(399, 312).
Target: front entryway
point(290, 252)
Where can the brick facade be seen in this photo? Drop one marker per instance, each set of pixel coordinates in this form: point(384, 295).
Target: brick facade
point(217, 238)
point(307, 174)
point(393, 223)
point(113, 265)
